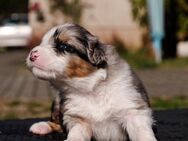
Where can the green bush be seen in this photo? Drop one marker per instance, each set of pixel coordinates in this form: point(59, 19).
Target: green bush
point(140, 14)
point(140, 59)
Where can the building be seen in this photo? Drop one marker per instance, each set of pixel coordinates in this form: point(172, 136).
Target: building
point(108, 19)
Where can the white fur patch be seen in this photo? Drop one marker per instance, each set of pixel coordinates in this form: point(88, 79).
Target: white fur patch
point(48, 65)
point(40, 128)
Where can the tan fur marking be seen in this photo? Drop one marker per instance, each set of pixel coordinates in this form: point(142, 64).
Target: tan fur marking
point(64, 37)
point(55, 127)
point(79, 68)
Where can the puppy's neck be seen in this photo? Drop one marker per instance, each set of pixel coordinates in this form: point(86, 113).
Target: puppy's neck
point(82, 84)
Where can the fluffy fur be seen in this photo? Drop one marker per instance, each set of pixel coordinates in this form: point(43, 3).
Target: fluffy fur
point(99, 95)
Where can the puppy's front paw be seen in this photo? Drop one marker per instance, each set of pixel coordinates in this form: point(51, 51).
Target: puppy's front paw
point(40, 128)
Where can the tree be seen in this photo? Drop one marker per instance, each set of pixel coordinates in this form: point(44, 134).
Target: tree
point(176, 22)
point(139, 12)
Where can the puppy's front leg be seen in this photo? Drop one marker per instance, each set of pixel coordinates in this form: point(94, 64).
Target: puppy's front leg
point(79, 131)
point(139, 125)
point(45, 127)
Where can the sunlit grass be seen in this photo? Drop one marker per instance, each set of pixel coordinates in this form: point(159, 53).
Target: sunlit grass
point(138, 60)
point(141, 60)
point(169, 102)
point(178, 63)
point(21, 109)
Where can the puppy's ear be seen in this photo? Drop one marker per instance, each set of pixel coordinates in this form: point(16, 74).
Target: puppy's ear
point(95, 52)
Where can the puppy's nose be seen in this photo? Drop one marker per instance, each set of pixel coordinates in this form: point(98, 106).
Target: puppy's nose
point(34, 55)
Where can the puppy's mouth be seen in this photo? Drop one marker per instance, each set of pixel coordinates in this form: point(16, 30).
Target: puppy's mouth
point(42, 72)
point(38, 67)
point(41, 67)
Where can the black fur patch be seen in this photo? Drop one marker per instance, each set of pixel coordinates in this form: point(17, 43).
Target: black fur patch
point(56, 115)
point(56, 110)
point(139, 87)
point(56, 33)
point(84, 38)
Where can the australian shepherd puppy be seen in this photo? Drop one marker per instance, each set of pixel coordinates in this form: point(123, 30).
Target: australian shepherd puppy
point(99, 97)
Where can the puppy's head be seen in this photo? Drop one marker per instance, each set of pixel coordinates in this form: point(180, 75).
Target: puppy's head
point(66, 51)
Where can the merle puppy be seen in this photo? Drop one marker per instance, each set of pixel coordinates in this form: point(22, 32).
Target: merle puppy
point(99, 95)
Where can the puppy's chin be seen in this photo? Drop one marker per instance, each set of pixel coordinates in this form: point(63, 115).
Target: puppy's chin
point(43, 74)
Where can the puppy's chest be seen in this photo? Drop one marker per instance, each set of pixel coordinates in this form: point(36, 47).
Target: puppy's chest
point(90, 108)
point(99, 113)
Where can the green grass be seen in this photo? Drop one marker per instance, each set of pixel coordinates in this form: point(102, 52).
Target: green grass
point(10, 115)
point(142, 59)
point(36, 108)
point(169, 102)
point(178, 63)
point(138, 60)
point(21, 109)
point(14, 103)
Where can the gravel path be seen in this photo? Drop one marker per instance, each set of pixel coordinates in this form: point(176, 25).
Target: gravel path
point(17, 82)
point(165, 82)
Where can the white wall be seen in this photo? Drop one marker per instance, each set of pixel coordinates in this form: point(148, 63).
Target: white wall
point(104, 18)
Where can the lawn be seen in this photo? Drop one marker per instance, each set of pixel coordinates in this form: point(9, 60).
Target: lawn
point(20, 109)
point(169, 102)
point(143, 59)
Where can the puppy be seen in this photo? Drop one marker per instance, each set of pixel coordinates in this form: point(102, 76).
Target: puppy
point(99, 95)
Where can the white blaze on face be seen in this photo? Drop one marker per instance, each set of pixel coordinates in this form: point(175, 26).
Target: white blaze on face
point(44, 58)
point(47, 65)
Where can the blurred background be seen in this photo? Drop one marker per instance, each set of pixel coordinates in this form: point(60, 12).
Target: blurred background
point(124, 23)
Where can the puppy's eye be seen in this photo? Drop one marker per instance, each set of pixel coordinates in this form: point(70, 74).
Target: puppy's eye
point(62, 47)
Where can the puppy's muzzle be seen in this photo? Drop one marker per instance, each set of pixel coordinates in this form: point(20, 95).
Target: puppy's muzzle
point(33, 55)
